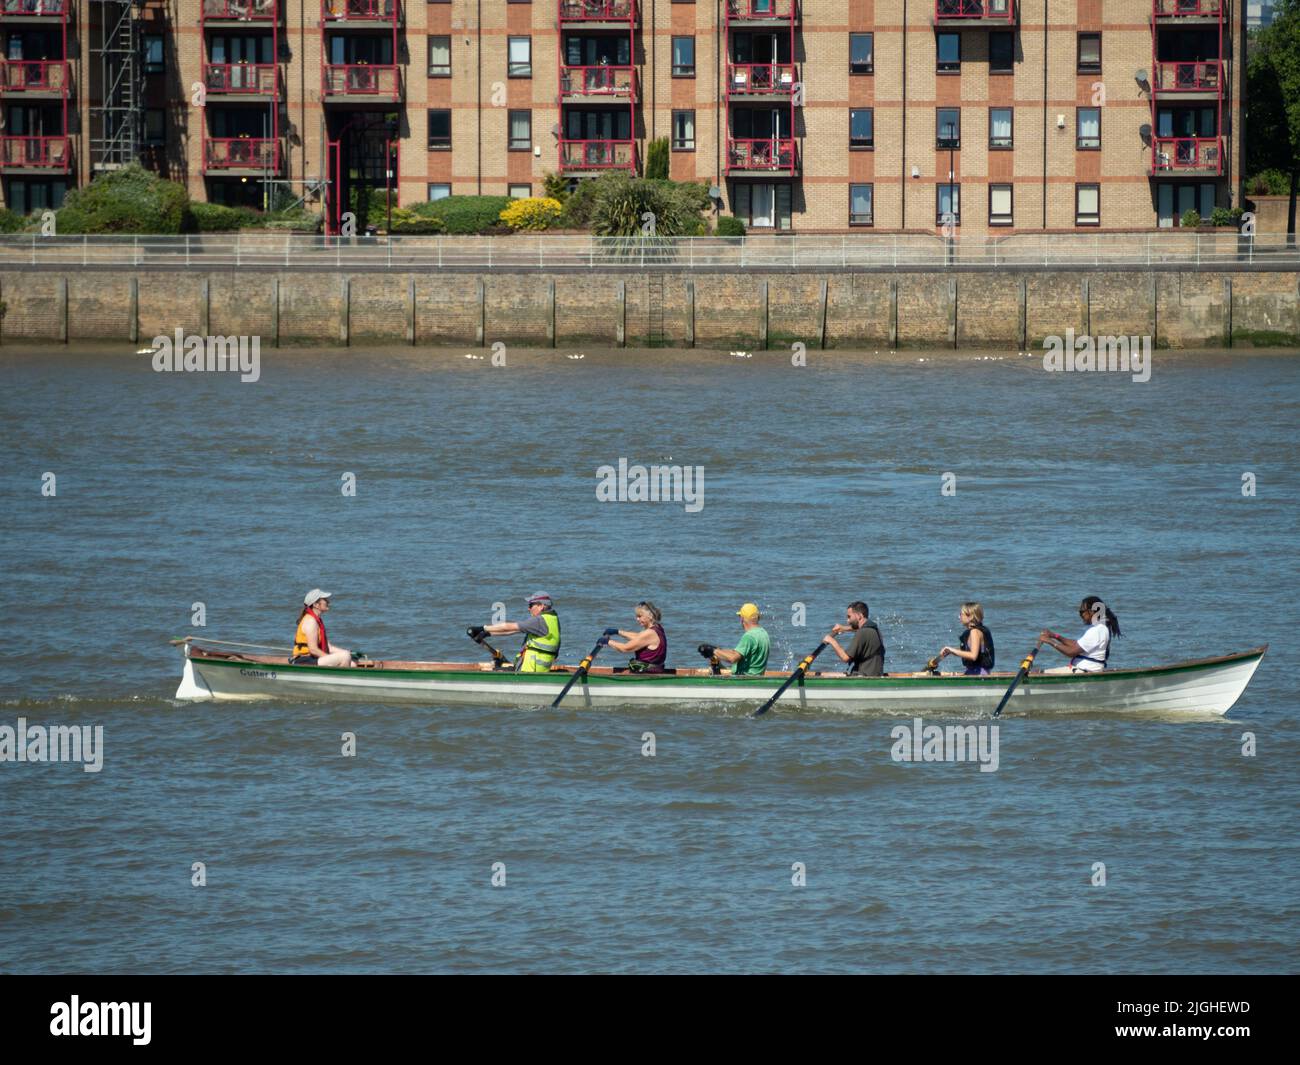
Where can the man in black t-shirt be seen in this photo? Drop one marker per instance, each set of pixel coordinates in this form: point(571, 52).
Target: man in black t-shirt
point(866, 654)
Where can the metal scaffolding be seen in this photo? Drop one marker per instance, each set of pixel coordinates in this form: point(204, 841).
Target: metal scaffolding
point(117, 121)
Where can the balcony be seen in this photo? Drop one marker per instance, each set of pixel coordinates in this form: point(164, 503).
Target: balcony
point(1189, 81)
point(361, 12)
point(35, 78)
point(762, 12)
point(34, 10)
point(241, 81)
point(597, 155)
point(362, 82)
point(766, 155)
point(762, 81)
point(597, 14)
point(598, 83)
point(241, 156)
point(1187, 10)
point(1187, 155)
point(237, 12)
point(956, 14)
point(40, 155)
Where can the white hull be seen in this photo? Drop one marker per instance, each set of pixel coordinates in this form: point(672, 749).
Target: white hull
point(1206, 686)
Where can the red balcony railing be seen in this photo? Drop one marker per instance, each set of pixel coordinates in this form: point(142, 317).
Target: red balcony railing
point(971, 10)
point(597, 155)
point(762, 10)
point(1186, 8)
point(362, 80)
point(616, 82)
point(241, 79)
point(1189, 77)
point(240, 10)
point(761, 79)
point(1187, 155)
point(765, 154)
point(38, 8)
point(360, 11)
point(44, 153)
point(597, 10)
point(39, 75)
point(241, 153)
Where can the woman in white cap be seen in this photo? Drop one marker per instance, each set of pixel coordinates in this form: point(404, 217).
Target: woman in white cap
point(311, 647)
point(541, 630)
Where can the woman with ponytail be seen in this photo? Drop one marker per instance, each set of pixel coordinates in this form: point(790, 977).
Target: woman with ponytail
point(1089, 653)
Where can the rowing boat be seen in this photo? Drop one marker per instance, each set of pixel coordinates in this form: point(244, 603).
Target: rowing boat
point(1208, 685)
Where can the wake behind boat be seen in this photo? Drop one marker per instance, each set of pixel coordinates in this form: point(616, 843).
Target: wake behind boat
point(1207, 685)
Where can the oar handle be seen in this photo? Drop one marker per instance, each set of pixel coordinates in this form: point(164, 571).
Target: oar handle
point(799, 671)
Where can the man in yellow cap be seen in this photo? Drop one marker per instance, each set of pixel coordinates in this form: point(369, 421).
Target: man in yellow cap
point(750, 655)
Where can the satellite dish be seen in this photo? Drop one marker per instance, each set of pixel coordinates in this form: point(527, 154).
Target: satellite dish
point(715, 192)
point(1145, 131)
point(555, 130)
point(1140, 76)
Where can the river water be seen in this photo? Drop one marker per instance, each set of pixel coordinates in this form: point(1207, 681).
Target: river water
point(475, 485)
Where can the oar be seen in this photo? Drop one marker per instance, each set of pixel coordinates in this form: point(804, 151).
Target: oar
point(1024, 672)
point(932, 666)
point(799, 671)
point(581, 671)
point(499, 661)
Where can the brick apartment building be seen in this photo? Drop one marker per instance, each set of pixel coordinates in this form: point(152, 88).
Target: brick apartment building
point(806, 115)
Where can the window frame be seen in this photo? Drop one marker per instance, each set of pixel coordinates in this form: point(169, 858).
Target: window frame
point(777, 217)
point(1079, 144)
point(871, 195)
point(519, 185)
point(950, 66)
point(673, 143)
point(681, 71)
point(160, 141)
point(938, 194)
point(1009, 218)
point(152, 68)
point(511, 144)
point(939, 143)
point(429, 120)
point(1079, 65)
point(1011, 140)
point(430, 186)
point(870, 65)
point(1010, 36)
point(527, 72)
point(857, 146)
point(1087, 220)
point(439, 73)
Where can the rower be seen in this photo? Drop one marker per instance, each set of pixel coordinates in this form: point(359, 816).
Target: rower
point(1090, 652)
point(311, 646)
point(649, 647)
point(866, 654)
point(749, 657)
point(541, 630)
point(976, 643)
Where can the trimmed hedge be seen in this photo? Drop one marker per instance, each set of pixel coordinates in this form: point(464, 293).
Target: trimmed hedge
point(405, 220)
point(729, 226)
point(9, 221)
point(215, 218)
point(466, 214)
point(130, 200)
point(532, 214)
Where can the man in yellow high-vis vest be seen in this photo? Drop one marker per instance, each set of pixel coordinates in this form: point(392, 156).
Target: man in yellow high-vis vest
point(541, 630)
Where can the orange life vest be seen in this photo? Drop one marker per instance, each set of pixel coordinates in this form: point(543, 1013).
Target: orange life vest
point(300, 639)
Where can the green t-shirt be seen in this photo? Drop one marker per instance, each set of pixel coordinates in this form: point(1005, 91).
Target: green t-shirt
point(753, 648)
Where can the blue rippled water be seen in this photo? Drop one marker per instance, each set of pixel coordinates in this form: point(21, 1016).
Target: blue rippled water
point(475, 484)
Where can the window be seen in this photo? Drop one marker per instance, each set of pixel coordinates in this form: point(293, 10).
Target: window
point(439, 192)
point(860, 199)
point(520, 192)
point(999, 205)
point(948, 127)
point(439, 57)
point(762, 206)
point(1002, 51)
point(1000, 120)
point(521, 130)
point(155, 126)
point(1174, 200)
point(862, 55)
point(949, 52)
point(439, 130)
point(1087, 205)
point(519, 63)
point(683, 57)
point(862, 128)
point(1088, 128)
point(153, 53)
point(948, 201)
point(1089, 53)
point(683, 131)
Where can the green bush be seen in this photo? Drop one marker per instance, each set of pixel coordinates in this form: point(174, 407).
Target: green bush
point(214, 218)
point(1269, 183)
point(9, 221)
point(729, 226)
point(299, 220)
point(556, 186)
point(1191, 219)
point(130, 200)
point(580, 205)
point(407, 221)
point(467, 214)
point(1221, 216)
point(621, 203)
point(656, 159)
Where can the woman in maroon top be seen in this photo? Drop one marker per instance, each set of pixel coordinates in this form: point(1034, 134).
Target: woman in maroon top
point(649, 647)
